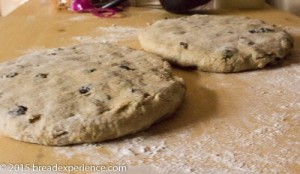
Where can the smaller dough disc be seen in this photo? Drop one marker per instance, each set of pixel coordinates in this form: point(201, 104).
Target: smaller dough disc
point(217, 43)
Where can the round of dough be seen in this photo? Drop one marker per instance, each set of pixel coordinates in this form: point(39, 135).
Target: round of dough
point(85, 93)
point(217, 43)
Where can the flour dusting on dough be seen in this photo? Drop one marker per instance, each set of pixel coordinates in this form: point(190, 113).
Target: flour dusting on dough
point(248, 138)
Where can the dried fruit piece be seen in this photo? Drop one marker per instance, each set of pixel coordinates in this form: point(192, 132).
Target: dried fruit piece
point(261, 30)
point(126, 68)
point(251, 43)
point(227, 54)
point(52, 54)
point(146, 95)
point(84, 89)
point(19, 110)
point(11, 75)
point(42, 75)
point(34, 118)
point(184, 45)
point(91, 70)
point(60, 133)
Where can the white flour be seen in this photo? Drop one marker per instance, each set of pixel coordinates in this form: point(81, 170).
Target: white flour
point(110, 35)
point(261, 141)
point(80, 18)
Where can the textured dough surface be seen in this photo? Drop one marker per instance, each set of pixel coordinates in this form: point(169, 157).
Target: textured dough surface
point(85, 93)
point(217, 43)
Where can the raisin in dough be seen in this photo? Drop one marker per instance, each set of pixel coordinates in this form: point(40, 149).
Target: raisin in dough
point(85, 93)
point(217, 43)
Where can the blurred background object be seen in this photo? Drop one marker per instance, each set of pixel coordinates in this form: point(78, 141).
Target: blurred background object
point(7, 6)
point(292, 6)
point(145, 3)
point(172, 5)
point(240, 4)
point(182, 6)
point(61, 4)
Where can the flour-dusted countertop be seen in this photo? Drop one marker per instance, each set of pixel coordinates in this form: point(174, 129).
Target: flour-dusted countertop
point(230, 123)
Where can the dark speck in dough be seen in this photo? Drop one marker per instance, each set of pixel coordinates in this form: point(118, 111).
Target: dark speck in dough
point(11, 75)
point(251, 43)
point(184, 45)
point(19, 110)
point(59, 133)
point(42, 75)
point(227, 54)
point(34, 118)
point(91, 70)
point(261, 30)
point(126, 68)
point(52, 54)
point(84, 89)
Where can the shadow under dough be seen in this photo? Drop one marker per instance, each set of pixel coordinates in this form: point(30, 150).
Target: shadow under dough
point(294, 57)
point(200, 105)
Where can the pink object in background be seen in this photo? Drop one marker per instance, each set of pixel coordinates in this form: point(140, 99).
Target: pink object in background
point(81, 5)
point(87, 6)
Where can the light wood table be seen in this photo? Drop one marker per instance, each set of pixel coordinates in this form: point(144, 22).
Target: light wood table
point(216, 104)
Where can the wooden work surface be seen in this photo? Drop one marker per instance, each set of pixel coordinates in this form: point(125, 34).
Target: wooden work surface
point(252, 116)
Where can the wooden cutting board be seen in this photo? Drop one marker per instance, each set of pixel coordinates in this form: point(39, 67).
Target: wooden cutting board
point(229, 123)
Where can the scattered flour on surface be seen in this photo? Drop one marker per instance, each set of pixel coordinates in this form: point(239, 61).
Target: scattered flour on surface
point(263, 141)
point(110, 34)
point(80, 18)
point(32, 50)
